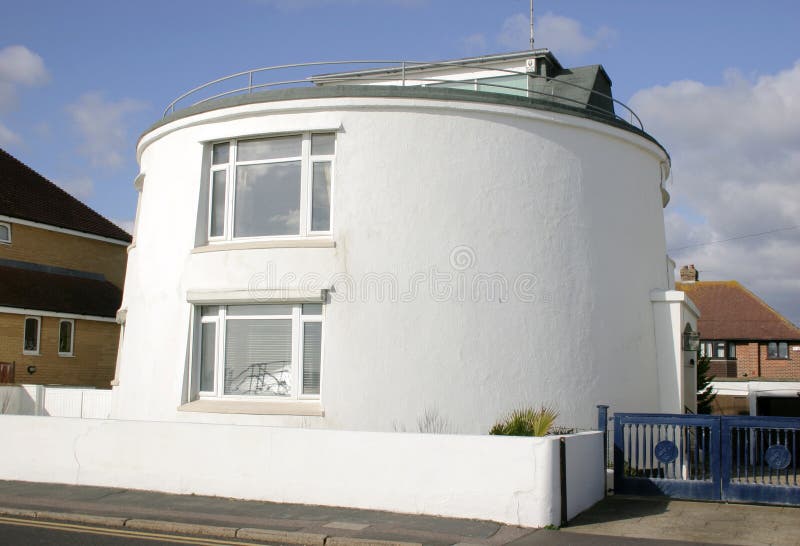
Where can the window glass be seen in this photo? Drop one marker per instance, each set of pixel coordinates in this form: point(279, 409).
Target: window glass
point(258, 357)
point(514, 84)
point(321, 197)
point(261, 197)
point(268, 350)
point(323, 144)
point(65, 337)
point(5, 233)
point(312, 308)
point(267, 199)
point(772, 350)
point(731, 350)
point(720, 349)
point(783, 350)
point(31, 334)
point(221, 153)
point(208, 356)
point(217, 221)
point(269, 148)
point(312, 353)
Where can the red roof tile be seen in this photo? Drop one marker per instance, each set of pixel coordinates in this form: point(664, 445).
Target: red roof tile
point(27, 195)
point(729, 311)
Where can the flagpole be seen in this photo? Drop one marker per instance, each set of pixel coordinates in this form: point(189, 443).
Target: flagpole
point(532, 25)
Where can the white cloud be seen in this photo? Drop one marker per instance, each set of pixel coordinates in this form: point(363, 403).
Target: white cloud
point(81, 187)
point(19, 66)
point(475, 44)
point(127, 225)
point(8, 137)
point(101, 124)
point(562, 35)
point(736, 171)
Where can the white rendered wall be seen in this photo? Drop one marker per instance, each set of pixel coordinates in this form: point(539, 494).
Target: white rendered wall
point(673, 310)
point(572, 202)
point(505, 479)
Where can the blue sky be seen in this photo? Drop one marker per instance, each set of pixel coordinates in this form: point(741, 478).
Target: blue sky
point(716, 81)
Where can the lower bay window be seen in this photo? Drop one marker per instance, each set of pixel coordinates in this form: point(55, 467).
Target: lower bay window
point(258, 351)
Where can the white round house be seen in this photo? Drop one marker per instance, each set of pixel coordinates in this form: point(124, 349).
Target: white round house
point(421, 246)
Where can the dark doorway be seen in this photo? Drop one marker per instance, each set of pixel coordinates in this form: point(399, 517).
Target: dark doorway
point(775, 406)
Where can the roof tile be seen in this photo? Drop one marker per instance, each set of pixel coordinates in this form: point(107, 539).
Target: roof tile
point(27, 195)
point(729, 311)
point(28, 288)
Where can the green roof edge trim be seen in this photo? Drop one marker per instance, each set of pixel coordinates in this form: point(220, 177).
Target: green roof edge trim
point(393, 91)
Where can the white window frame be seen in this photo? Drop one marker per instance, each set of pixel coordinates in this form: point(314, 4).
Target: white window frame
point(220, 319)
point(38, 335)
point(7, 226)
point(307, 161)
point(71, 338)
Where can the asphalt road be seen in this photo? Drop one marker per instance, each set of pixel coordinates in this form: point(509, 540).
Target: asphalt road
point(23, 532)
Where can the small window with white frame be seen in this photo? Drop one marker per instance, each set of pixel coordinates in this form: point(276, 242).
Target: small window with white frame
point(5, 232)
point(258, 350)
point(32, 335)
point(66, 337)
point(269, 187)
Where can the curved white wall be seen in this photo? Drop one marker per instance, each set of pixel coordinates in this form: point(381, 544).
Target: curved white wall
point(572, 204)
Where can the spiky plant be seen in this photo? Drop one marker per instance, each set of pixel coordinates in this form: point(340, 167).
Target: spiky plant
point(526, 422)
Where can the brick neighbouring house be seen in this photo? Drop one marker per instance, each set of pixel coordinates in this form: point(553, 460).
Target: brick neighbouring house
point(754, 350)
point(62, 269)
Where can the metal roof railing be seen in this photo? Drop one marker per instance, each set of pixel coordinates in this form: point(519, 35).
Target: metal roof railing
point(407, 73)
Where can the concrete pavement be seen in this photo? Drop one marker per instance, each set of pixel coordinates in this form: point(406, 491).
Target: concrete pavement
point(704, 522)
point(619, 521)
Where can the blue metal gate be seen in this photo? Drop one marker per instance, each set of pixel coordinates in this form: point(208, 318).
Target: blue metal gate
point(708, 457)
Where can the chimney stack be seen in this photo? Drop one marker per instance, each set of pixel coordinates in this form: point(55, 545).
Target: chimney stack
point(689, 273)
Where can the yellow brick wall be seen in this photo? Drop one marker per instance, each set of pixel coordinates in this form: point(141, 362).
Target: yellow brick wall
point(41, 246)
point(95, 352)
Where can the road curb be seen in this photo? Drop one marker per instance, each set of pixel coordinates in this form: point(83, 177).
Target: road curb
point(107, 521)
point(176, 527)
point(246, 533)
point(282, 537)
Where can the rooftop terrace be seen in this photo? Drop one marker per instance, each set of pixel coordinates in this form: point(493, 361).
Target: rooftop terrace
point(534, 75)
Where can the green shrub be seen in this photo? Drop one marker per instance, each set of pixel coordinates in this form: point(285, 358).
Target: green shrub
point(526, 422)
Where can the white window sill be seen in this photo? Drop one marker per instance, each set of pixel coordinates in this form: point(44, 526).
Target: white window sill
point(294, 242)
point(31, 353)
point(267, 407)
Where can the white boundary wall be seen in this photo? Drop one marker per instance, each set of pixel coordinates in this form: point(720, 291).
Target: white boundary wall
point(55, 401)
point(507, 479)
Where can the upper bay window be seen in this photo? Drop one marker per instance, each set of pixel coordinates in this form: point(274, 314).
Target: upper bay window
point(271, 187)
